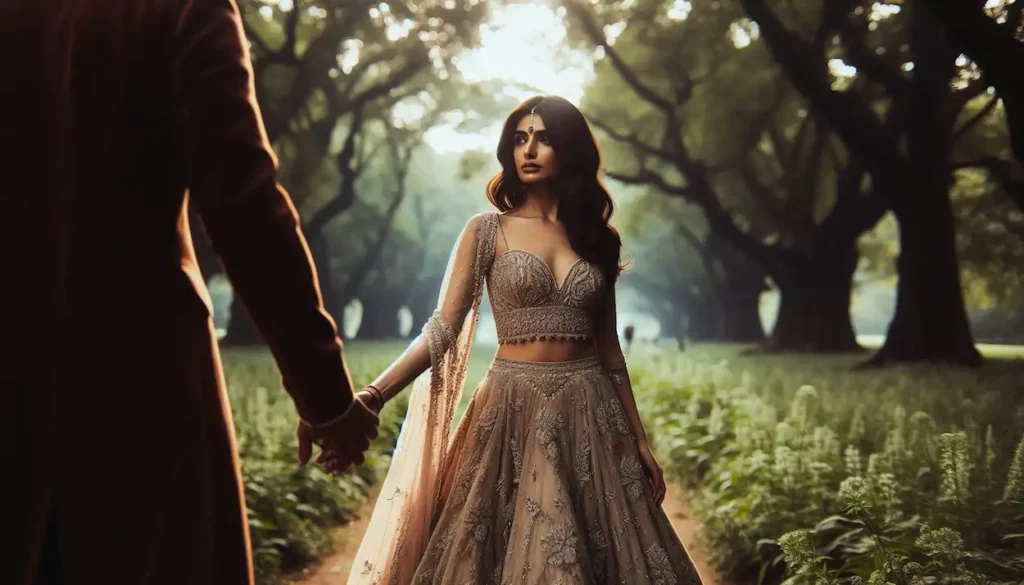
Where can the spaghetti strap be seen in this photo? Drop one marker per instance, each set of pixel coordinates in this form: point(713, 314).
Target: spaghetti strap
point(502, 230)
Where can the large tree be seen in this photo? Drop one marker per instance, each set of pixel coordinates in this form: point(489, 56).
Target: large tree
point(696, 284)
point(992, 34)
point(771, 180)
point(918, 84)
point(322, 69)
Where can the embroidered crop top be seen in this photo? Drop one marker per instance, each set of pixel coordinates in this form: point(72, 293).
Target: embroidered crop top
point(529, 305)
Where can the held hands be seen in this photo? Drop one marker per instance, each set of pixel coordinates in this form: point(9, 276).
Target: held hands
point(342, 441)
point(331, 460)
point(654, 472)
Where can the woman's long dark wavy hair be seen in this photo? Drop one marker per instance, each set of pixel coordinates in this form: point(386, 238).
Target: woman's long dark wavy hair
point(584, 205)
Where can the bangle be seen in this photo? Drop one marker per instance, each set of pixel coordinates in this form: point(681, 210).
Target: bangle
point(380, 397)
point(318, 426)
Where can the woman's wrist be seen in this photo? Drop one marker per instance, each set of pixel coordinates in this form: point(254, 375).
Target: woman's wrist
point(377, 395)
point(642, 442)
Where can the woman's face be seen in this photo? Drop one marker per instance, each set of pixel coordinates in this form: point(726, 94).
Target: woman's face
point(535, 159)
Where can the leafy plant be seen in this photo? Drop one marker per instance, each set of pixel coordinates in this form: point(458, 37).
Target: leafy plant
point(909, 475)
point(293, 512)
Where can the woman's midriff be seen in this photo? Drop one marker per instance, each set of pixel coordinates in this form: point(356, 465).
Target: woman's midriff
point(546, 350)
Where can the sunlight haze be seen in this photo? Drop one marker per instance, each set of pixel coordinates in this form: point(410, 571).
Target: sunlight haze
point(525, 46)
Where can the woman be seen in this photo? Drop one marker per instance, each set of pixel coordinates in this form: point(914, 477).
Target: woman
point(543, 481)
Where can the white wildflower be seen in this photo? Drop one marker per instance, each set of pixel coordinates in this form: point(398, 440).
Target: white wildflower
point(853, 492)
point(798, 549)
point(857, 426)
point(785, 434)
point(852, 460)
point(887, 495)
point(944, 543)
point(803, 404)
point(922, 431)
point(1015, 478)
point(787, 465)
point(956, 464)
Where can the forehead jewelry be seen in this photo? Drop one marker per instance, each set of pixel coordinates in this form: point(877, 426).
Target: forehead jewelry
point(532, 111)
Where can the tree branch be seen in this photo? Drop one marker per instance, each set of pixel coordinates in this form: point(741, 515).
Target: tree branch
point(975, 88)
point(762, 195)
point(863, 58)
point(1002, 171)
point(349, 173)
point(852, 118)
point(384, 87)
point(631, 139)
point(596, 35)
point(646, 177)
point(261, 45)
point(291, 28)
point(707, 259)
point(976, 118)
point(993, 47)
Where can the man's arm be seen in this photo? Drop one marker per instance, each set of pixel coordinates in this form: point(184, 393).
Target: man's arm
point(232, 178)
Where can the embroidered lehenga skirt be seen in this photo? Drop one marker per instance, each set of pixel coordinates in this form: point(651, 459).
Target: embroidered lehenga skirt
point(545, 486)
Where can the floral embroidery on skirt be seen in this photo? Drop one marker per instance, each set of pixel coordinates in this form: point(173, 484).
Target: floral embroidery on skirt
point(544, 487)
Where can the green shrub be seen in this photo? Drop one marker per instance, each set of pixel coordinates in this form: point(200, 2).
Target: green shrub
point(844, 474)
point(292, 512)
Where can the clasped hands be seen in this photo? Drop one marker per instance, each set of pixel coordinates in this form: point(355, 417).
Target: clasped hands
point(344, 440)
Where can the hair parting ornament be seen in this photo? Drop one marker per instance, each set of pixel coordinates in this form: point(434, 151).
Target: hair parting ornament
point(533, 111)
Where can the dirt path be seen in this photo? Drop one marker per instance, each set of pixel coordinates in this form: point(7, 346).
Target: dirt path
point(335, 567)
point(687, 526)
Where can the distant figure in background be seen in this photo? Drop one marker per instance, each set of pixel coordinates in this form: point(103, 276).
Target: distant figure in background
point(628, 333)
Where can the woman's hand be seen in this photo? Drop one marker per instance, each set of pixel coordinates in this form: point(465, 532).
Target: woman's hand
point(371, 399)
point(654, 473)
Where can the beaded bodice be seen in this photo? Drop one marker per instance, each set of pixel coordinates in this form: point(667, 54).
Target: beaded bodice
point(529, 305)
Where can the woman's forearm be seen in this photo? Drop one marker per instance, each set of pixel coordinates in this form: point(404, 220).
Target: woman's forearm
point(628, 400)
point(403, 371)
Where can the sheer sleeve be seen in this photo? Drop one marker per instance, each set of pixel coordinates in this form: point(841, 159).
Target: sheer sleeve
point(609, 351)
point(607, 339)
point(400, 525)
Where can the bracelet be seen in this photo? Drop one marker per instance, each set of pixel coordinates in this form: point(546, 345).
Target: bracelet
point(325, 424)
point(376, 392)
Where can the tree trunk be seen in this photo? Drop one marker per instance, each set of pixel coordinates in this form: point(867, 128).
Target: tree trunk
point(930, 323)
point(242, 330)
point(740, 317)
point(421, 305)
point(813, 317)
point(334, 301)
point(703, 323)
point(670, 316)
point(380, 318)
point(814, 307)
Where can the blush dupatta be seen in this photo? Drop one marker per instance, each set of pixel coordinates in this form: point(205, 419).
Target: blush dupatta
point(410, 496)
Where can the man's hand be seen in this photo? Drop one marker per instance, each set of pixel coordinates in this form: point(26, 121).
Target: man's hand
point(342, 442)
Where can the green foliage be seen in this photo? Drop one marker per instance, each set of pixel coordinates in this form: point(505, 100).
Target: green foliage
point(843, 478)
point(292, 512)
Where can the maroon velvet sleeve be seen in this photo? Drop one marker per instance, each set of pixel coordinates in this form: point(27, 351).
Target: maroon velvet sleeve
point(251, 221)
